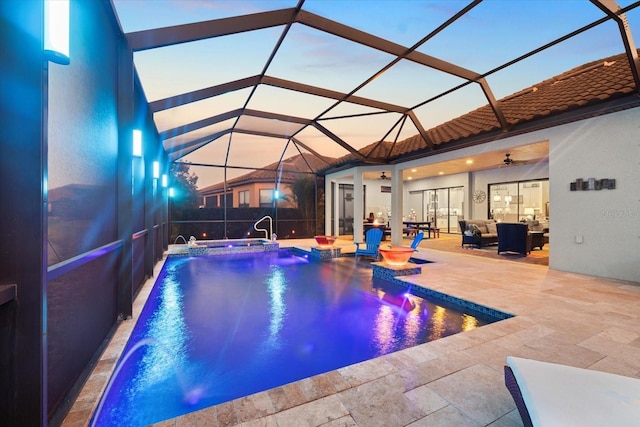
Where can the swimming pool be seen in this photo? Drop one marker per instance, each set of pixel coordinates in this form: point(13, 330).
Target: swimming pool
point(218, 328)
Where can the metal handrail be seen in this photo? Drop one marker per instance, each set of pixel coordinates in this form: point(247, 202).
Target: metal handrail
point(266, 233)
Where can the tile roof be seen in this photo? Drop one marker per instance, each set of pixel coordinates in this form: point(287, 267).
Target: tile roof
point(590, 84)
point(291, 169)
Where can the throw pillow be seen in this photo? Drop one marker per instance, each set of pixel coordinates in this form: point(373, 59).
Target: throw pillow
point(492, 228)
point(474, 229)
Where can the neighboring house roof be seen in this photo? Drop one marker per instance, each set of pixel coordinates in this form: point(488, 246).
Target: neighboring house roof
point(291, 169)
point(545, 104)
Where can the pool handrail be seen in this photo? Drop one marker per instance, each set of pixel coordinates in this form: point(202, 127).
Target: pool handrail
point(268, 234)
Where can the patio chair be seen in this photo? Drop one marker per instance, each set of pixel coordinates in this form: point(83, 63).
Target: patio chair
point(372, 244)
point(513, 237)
point(417, 240)
point(548, 394)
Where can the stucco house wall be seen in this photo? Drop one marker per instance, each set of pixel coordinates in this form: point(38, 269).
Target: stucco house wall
point(596, 232)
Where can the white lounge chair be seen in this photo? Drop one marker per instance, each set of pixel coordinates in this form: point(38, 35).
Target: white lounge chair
point(552, 395)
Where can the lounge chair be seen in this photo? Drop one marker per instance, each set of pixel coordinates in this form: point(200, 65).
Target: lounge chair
point(372, 244)
point(417, 240)
point(547, 394)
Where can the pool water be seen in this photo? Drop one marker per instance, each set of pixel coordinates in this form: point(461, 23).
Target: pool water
point(218, 328)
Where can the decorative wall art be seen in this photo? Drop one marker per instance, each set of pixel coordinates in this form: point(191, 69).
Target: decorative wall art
point(592, 184)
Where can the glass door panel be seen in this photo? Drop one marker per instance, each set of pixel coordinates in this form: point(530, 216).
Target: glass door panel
point(430, 206)
point(345, 208)
point(456, 208)
point(518, 201)
point(414, 205)
point(442, 210)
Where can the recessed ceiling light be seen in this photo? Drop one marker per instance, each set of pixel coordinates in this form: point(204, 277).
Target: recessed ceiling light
point(440, 173)
point(469, 161)
point(414, 170)
point(409, 178)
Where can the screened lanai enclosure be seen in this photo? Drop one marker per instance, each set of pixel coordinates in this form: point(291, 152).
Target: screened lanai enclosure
point(200, 117)
point(258, 96)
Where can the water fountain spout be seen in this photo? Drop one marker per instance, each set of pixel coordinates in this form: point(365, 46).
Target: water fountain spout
point(180, 236)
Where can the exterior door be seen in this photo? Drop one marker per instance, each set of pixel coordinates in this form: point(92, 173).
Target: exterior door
point(345, 209)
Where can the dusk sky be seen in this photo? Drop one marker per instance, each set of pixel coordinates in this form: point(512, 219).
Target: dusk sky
point(491, 34)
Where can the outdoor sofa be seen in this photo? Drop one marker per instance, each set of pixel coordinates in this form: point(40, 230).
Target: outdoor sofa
point(478, 232)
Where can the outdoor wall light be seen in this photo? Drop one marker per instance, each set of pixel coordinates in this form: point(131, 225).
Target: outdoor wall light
point(165, 180)
point(137, 143)
point(156, 170)
point(56, 31)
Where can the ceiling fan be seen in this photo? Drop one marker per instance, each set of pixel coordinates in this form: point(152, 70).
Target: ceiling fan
point(383, 176)
point(508, 161)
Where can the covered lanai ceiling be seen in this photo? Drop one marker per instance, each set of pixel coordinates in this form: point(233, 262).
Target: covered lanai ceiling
point(244, 84)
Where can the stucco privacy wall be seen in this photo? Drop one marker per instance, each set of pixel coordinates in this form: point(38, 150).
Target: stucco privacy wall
point(607, 221)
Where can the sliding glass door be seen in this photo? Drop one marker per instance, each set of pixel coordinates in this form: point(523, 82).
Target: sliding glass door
point(520, 200)
point(442, 206)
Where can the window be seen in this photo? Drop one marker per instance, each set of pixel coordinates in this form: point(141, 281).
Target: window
point(519, 200)
point(211, 201)
point(266, 198)
point(243, 199)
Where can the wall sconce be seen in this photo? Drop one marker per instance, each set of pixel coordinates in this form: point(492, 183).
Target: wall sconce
point(507, 199)
point(137, 143)
point(56, 31)
point(165, 180)
point(156, 170)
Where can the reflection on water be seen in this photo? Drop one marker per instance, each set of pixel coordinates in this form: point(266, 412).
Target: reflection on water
point(414, 320)
point(276, 286)
point(469, 323)
point(438, 327)
point(169, 328)
point(404, 320)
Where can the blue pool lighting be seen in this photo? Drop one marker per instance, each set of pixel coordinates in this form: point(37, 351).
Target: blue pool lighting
point(56, 31)
point(165, 180)
point(156, 170)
